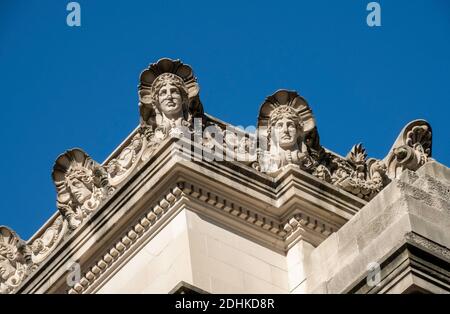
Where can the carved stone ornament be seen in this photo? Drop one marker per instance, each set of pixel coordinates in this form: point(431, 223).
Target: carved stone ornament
point(287, 133)
point(81, 184)
point(287, 125)
point(168, 102)
point(126, 161)
point(14, 260)
point(411, 150)
point(358, 175)
point(213, 137)
point(45, 244)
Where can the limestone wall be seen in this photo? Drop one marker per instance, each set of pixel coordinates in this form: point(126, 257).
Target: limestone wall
point(416, 205)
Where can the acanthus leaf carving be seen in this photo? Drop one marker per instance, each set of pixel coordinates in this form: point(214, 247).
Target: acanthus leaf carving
point(357, 175)
point(323, 173)
point(358, 156)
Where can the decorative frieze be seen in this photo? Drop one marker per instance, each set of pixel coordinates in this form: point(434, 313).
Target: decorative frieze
point(287, 126)
point(120, 167)
point(421, 241)
point(286, 134)
point(49, 240)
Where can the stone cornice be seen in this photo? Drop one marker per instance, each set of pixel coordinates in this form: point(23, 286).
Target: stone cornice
point(150, 223)
point(186, 195)
point(279, 211)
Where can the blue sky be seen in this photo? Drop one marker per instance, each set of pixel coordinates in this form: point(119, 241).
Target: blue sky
point(64, 87)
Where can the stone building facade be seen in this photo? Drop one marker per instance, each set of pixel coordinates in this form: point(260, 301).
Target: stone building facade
point(190, 203)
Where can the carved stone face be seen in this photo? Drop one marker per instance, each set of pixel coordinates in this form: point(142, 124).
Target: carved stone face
point(79, 190)
point(286, 133)
point(170, 100)
point(6, 268)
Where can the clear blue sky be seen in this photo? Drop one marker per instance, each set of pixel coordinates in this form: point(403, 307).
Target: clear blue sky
point(65, 87)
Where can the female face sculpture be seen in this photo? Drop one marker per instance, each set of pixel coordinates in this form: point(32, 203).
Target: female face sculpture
point(169, 99)
point(286, 133)
point(77, 183)
point(170, 95)
point(286, 127)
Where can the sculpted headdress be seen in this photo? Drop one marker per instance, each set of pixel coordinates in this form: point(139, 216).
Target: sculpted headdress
point(158, 74)
point(288, 103)
point(76, 164)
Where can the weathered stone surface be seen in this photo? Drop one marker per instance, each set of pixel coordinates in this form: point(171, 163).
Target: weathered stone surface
point(407, 206)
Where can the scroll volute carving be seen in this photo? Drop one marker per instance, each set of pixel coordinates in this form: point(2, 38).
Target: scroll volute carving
point(81, 184)
point(14, 260)
point(411, 150)
point(126, 161)
point(287, 133)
